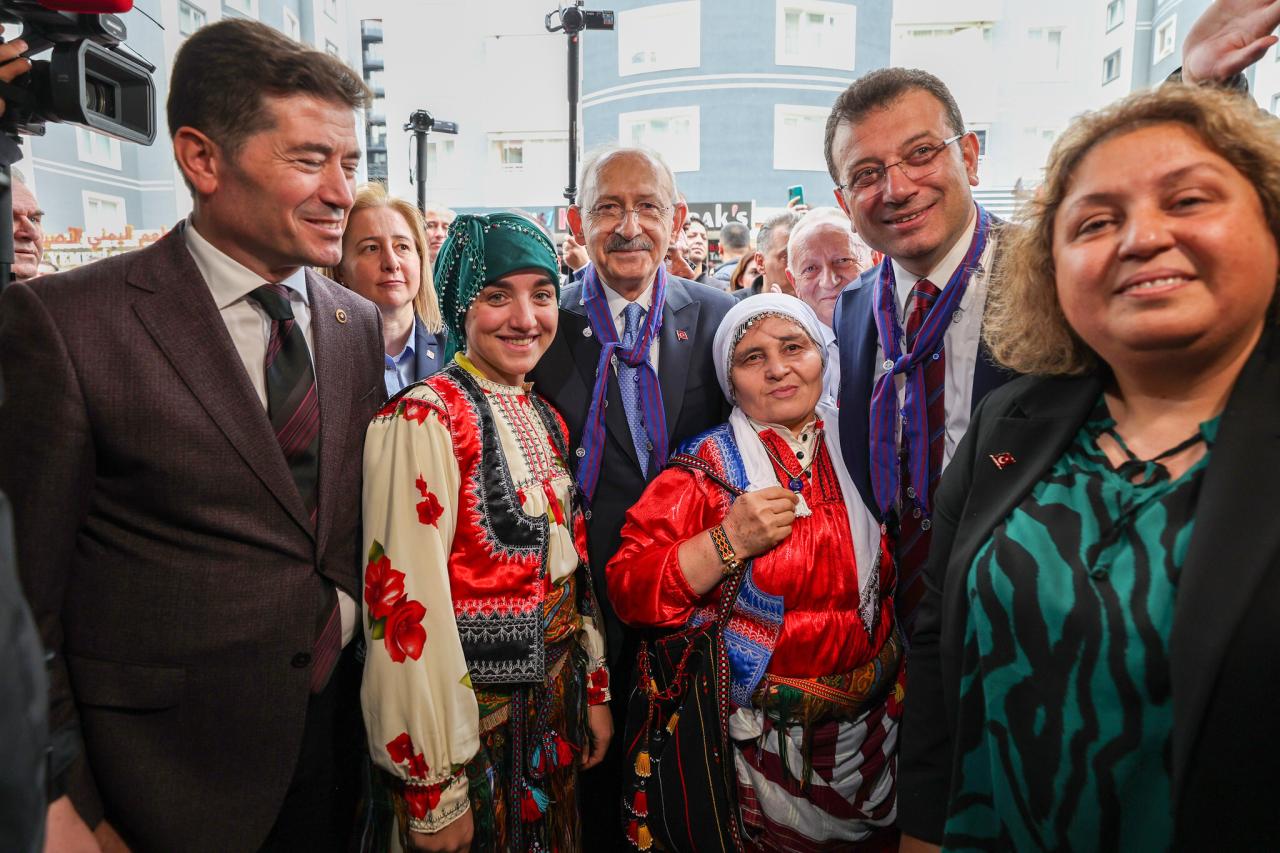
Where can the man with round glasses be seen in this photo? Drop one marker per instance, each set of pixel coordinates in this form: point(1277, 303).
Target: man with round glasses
point(631, 370)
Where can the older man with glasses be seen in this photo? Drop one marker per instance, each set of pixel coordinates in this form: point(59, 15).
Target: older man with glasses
point(631, 370)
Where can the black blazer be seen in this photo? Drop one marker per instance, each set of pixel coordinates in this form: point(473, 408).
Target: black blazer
point(691, 398)
point(1225, 646)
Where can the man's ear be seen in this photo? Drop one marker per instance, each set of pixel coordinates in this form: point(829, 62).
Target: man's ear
point(759, 259)
point(681, 213)
point(200, 159)
point(969, 151)
point(575, 224)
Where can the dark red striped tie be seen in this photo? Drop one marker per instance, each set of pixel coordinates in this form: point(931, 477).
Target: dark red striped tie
point(294, 410)
point(914, 527)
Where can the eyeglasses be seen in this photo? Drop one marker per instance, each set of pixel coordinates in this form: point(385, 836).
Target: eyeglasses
point(920, 157)
point(611, 213)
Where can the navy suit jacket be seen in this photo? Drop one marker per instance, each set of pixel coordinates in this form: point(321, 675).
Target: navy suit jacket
point(855, 328)
point(428, 350)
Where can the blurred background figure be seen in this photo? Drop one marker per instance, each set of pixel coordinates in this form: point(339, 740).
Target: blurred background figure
point(436, 220)
point(735, 244)
point(823, 256)
point(695, 251)
point(28, 233)
point(771, 255)
point(384, 259)
point(745, 271)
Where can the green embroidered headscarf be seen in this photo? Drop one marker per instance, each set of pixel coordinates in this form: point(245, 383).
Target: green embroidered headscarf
point(480, 250)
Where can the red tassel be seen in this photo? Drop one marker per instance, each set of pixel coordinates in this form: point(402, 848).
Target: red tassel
point(529, 811)
point(633, 831)
point(564, 751)
point(641, 804)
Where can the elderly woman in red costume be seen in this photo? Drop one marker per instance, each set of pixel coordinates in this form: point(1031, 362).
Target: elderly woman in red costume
point(814, 651)
point(484, 682)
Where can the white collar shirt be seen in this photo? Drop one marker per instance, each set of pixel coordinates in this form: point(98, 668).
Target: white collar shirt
point(618, 304)
point(961, 340)
point(230, 283)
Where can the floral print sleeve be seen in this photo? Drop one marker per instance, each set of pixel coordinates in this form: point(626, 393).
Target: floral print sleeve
point(419, 708)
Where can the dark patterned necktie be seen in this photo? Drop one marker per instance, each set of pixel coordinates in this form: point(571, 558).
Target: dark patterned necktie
point(913, 526)
point(294, 410)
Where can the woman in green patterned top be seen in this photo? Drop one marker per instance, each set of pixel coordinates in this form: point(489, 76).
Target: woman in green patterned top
point(1097, 661)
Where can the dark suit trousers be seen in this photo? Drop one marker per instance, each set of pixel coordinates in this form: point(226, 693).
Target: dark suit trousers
point(319, 810)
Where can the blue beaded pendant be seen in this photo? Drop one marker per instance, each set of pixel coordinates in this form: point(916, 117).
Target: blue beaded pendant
point(795, 484)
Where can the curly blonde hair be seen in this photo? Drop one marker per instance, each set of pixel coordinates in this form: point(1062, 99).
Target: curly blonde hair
point(1024, 326)
point(425, 305)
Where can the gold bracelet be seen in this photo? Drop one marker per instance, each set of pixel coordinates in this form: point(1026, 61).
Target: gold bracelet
point(724, 548)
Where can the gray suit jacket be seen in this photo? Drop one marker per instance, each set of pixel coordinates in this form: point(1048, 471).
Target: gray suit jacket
point(173, 570)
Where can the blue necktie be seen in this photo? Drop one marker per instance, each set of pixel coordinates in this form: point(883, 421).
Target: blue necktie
point(629, 385)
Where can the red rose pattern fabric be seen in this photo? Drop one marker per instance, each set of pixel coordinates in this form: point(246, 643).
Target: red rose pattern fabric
point(429, 510)
point(393, 617)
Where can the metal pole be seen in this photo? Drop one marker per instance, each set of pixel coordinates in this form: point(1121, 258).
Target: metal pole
point(421, 171)
point(575, 46)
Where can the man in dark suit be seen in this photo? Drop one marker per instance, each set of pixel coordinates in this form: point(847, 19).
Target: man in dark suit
point(628, 215)
point(182, 444)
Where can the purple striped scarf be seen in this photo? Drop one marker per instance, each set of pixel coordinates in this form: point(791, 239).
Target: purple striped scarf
point(655, 418)
point(884, 398)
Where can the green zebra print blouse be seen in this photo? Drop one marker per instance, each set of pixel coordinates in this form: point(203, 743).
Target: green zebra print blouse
point(1063, 737)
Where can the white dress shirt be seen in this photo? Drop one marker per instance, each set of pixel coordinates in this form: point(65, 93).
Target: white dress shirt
point(960, 341)
point(618, 303)
point(230, 283)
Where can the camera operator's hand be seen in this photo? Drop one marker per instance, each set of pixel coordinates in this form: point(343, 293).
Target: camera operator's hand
point(12, 64)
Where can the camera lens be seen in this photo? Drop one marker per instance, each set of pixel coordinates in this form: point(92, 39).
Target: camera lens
point(100, 96)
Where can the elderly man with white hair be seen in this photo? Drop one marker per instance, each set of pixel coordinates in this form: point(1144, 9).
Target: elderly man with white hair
point(631, 371)
point(824, 255)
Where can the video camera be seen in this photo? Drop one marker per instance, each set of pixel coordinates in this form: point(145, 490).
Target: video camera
point(89, 78)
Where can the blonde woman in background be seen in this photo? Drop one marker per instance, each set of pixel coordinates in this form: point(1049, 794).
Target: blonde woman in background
point(384, 259)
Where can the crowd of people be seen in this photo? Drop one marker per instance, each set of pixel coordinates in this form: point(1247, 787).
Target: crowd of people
point(346, 525)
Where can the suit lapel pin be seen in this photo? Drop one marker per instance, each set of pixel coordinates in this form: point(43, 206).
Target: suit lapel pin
point(431, 353)
point(1002, 460)
point(341, 315)
point(586, 332)
point(682, 335)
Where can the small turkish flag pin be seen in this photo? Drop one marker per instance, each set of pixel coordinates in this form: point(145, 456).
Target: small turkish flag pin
point(682, 335)
point(1002, 460)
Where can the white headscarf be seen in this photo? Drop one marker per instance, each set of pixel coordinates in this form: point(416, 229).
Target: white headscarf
point(755, 459)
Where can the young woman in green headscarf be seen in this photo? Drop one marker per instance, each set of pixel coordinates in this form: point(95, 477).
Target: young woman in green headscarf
point(484, 685)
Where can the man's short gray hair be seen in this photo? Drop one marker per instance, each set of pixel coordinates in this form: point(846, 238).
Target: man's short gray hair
point(784, 221)
point(829, 216)
point(596, 159)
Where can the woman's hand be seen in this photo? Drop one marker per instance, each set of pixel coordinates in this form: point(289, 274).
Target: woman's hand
point(454, 838)
point(759, 520)
point(599, 733)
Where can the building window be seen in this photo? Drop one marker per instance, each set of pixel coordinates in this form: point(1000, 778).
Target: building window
point(291, 26)
point(1111, 67)
point(190, 18)
point(373, 51)
point(103, 214)
point(659, 38)
point(815, 33)
point(331, 9)
point(332, 49)
point(97, 149)
point(798, 137)
point(378, 111)
point(439, 154)
point(511, 155)
point(1166, 38)
point(1275, 104)
point(1115, 14)
point(1046, 47)
point(244, 7)
point(981, 134)
point(377, 135)
point(374, 77)
point(673, 133)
